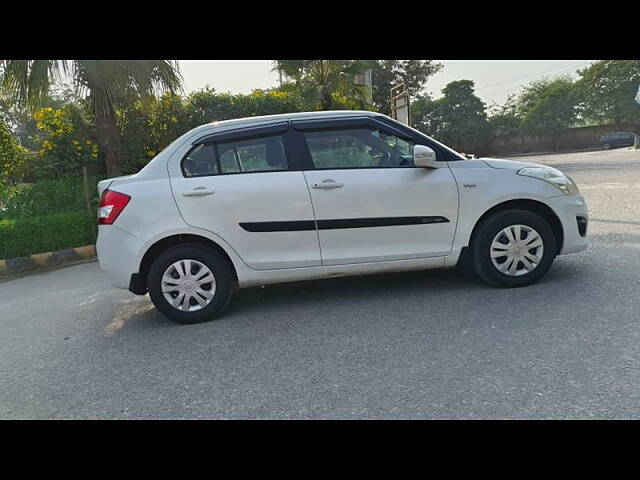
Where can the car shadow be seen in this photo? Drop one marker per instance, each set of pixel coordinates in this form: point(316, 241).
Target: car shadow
point(139, 312)
point(362, 286)
point(392, 287)
point(278, 299)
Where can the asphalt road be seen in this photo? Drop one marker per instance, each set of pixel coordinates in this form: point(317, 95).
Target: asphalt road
point(412, 345)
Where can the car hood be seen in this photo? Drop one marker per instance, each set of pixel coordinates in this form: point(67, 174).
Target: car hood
point(508, 164)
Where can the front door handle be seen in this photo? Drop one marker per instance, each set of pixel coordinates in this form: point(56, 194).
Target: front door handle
point(327, 184)
point(198, 192)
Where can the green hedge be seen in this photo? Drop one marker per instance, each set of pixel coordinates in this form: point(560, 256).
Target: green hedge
point(63, 195)
point(23, 236)
point(46, 216)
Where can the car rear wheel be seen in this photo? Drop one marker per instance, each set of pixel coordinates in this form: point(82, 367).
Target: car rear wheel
point(606, 146)
point(513, 248)
point(190, 283)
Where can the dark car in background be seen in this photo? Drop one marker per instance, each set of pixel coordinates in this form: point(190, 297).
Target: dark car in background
point(617, 139)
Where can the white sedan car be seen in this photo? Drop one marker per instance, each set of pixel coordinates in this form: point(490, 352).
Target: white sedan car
point(262, 200)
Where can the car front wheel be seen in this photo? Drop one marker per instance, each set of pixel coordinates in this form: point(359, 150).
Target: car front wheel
point(513, 248)
point(190, 283)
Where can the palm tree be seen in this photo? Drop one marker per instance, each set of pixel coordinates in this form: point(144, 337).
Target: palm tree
point(317, 80)
point(106, 84)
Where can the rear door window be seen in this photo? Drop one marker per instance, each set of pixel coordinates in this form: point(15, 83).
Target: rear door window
point(200, 161)
point(263, 154)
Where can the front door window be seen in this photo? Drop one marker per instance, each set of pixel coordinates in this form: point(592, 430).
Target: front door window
point(358, 148)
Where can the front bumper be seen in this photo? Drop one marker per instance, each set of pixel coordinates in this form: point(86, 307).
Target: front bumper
point(569, 208)
point(119, 254)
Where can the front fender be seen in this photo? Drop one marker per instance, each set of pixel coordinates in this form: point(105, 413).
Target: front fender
point(481, 189)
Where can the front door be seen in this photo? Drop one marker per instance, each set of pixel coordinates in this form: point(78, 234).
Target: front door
point(372, 204)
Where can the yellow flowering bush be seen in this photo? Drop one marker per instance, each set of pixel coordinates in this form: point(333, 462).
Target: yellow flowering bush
point(64, 146)
point(56, 122)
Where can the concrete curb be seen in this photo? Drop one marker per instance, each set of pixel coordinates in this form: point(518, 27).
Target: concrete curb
point(48, 259)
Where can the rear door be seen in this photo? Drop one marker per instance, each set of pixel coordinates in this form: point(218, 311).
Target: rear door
point(239, 186)
point(371, 203)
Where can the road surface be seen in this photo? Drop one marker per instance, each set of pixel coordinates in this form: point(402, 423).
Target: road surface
point(411, 345)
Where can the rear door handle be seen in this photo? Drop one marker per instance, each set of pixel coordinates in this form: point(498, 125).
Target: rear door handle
point(198, 192)
point(327, 184)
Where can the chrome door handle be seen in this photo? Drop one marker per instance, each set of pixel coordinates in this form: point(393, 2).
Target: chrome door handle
point(198, 192)
point(327, 184)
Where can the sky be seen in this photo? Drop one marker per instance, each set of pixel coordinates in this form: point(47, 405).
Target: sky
point(495, 80)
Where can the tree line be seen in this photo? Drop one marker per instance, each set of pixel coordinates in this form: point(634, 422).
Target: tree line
point(119, 114)
point(602, 93)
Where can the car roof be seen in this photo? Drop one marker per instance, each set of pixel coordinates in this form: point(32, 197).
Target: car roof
point(293, 116)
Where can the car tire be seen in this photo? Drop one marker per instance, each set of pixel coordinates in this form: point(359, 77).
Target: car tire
point(606, 146)
point(497, 235)
point(200, 299)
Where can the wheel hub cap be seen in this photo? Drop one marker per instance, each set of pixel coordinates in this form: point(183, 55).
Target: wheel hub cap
point(188, 285)
point(516, 250)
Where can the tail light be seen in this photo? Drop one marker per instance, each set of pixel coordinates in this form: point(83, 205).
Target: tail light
point(111, 205)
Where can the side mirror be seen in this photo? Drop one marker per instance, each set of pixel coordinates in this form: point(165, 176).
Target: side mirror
point(424, 156)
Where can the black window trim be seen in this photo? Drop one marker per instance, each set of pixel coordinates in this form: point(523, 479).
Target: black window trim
point(256, 131)
point(349, 123)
